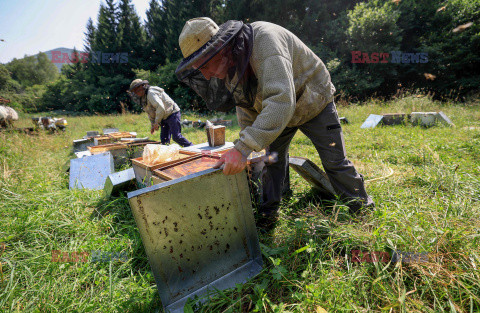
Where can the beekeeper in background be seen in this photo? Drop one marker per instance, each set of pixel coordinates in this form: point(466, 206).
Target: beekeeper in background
point(7, 116)
point(162, 111)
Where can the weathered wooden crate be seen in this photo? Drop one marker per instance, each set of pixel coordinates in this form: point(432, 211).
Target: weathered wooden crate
point(428, 119)
point(216, 136)
point(199, 234)
point(112, 138)
point(176, 170)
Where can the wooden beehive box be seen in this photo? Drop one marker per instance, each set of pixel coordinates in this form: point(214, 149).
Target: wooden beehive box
point(119, 135)
point(181, 168)
point(122, 152)
point(135, 149)
point(118, 151)
point(254, 157)
point(102, 140)
point(186, 167)
point(216, 135)
point(144, 172)
point(107, 147)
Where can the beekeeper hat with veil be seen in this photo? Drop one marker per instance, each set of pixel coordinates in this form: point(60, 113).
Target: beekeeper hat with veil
point(216, 62)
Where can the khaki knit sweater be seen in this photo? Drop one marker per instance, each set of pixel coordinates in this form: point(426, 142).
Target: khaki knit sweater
point(159, 105)
point(294, 86)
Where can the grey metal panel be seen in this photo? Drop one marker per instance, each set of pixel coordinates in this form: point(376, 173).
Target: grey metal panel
point(92, 133)
point(90, 172)
point(82, 154)
point(423, 118)
point(199, 234)
point(120, 157)
point(442, 117)
point(394, 119)
point(110, 130)
point(205, 147)
point(372, 121)
point(82, 144)
point(135, 139)
point(118, 181)
point(312, 174)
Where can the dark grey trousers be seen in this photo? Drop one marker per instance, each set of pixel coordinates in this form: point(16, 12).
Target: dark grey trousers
point(326, 134)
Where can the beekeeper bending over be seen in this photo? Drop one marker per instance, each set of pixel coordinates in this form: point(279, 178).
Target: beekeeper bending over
point(161, 110)
point(278, 85)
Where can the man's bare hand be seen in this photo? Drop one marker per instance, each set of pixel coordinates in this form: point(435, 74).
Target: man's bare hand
point(154, 128)
point(234, 162)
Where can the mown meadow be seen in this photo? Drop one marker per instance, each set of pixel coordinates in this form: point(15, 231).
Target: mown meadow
point(430, 204)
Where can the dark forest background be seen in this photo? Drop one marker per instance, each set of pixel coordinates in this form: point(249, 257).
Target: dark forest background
point(448, 31)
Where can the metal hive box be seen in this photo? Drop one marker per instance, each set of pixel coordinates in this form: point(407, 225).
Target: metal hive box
point(199, 234)
point(372, 121)
point(119, 181)
point(90, 172)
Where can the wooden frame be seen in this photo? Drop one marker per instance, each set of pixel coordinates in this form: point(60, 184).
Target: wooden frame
point(160, 172)
point(144, 173)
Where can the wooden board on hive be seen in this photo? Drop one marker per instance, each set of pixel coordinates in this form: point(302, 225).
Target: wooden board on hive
point(186, 167)
point(144, 172)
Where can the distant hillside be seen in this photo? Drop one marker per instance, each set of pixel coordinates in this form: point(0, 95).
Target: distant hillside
point(63, 50)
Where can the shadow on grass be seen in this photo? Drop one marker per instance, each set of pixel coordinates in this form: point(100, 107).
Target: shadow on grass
point(301, 240)
point(140, 305)
point(124, 225)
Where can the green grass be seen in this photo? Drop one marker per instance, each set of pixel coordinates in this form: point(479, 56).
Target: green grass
point(430, 204)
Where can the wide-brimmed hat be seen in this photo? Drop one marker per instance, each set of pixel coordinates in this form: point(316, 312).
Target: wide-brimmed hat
point(196, 32)
point(137, 82)
point(234, 40)
point(201, 39)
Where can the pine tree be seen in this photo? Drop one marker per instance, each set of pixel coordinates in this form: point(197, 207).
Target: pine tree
point(156, 33)
point(106, 39)
point(89, 37)
point(131, 38)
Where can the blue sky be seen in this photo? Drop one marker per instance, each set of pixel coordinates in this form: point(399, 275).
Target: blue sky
point(30, 26)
